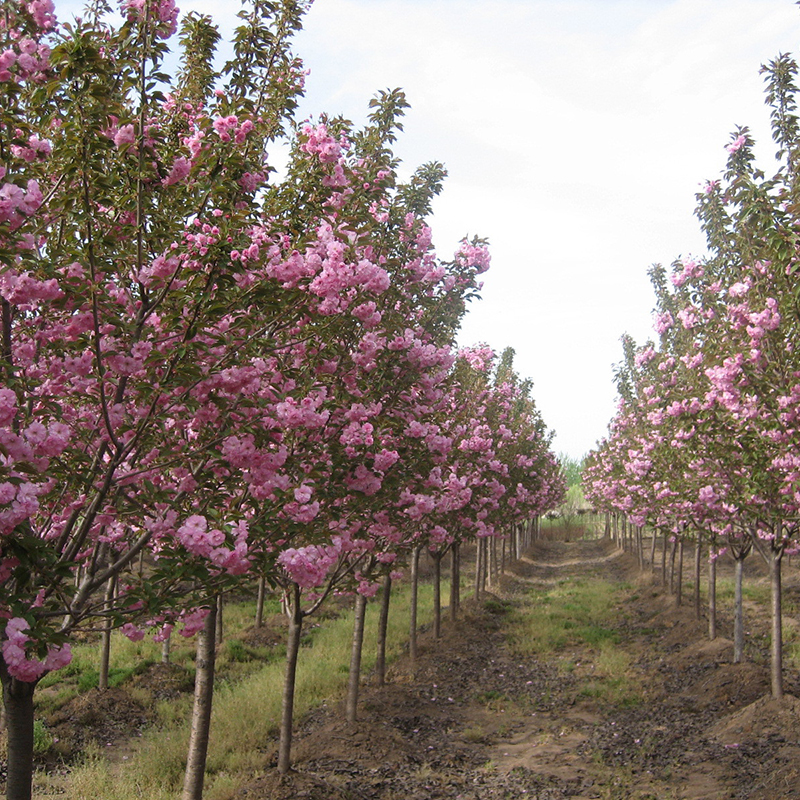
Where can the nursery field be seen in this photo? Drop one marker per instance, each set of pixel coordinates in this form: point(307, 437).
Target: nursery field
point(576, 676)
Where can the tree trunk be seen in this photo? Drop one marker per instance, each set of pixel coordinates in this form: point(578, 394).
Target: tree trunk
point(262, 592)
point(354, 677)
point(412, 631)
point(166, 647)
point(105, 638)
point(639, 547)
point(455, 580)
point(201, 712)
point(437, 595)
point(653, 552)
point(478, 567)
point(738, 611)
point(679, 579)
point(664, 559)
point(18, 706)
point(287, 703)
point(776, 650)
point(673, 549)
point(712, 594)
point(383, 624)
point(490, 561)
point(698, 554)
point(220, 606)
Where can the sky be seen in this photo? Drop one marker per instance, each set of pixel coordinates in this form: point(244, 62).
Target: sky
point(575, 133)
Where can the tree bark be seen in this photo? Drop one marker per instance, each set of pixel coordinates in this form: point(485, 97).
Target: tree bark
point(698, 554)
point(776, 649)
point(262, 592)
point(18, 706)
point(437, 595)
point(712, 594)
point(412, 631)
point(220, 607)
point(287, 703)
point(354, 676)
point(105, 638)
point(478, 567)
point(383, 624)
point(201, 712)
point(653, 552)
point(673, 549)
point(639, 547)
point(738, 611)
point(679, 579)
point(455, 580)
point(664, 559)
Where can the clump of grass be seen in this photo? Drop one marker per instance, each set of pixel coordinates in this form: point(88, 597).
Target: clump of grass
point(580, 614)
point(572, 613)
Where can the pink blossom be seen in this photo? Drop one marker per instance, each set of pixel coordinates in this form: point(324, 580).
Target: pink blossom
point(736, 144)
point(181, 167)
point(193, 621)
point(124, 136)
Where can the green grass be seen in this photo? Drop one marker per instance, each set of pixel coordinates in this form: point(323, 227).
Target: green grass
point(575, 612)
point(579, 614)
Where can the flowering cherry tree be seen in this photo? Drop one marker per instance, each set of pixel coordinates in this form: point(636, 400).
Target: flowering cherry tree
point(719, 425)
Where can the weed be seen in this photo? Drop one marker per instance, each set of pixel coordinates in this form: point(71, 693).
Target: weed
point(496, 605)
point(42, 738)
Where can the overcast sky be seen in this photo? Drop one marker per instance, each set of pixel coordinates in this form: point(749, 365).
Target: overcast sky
point(575, 133)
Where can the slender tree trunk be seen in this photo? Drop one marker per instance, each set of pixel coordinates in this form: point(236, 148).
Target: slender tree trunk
point(383, 625)
point(354, 677)
point(18, 706)
point(490, 562)
point(105, 638)
point(712, 595)
point(262, 592)
point(412, 632)
point(679, 579)
point(220, 607)
point(455, 580)
point(639, 547)
point(698, 555)
point(478, 567)
point(503, 556)
point(166, 647)
point(738, 611)
point(653, 552)
point(437, 595)
point(201, 712)
point(287, 703)
point(485, 573)
point(673, 549)
point(776, 650)
point(664, 559)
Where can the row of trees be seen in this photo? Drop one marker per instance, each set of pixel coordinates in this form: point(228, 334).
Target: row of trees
point(208, 375)
point(704, 444)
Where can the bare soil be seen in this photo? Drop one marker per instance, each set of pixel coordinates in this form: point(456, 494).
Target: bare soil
point(469, 720)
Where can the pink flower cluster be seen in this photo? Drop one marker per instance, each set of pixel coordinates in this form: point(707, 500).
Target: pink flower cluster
point(19, 664)
point(309, 566)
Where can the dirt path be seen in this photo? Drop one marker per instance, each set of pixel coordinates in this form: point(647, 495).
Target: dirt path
point(472, 721)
